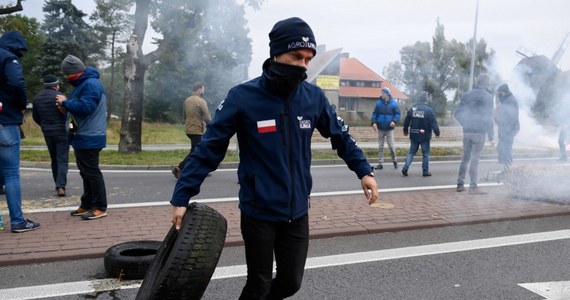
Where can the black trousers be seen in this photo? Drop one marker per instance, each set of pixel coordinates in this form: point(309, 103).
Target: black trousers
point(289, 242)
point(58, 148)
point(94, 192)
point(194, 141)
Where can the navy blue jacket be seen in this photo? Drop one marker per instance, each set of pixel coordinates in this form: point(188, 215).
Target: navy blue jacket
point(421, 121)
point(13, 94)
point(507, 116)
point(384, 113)
point(274, 136)
point(475, 112)
point(87, 106)
point(46, 114)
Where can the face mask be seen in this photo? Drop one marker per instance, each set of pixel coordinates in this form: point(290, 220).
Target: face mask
point(285, 78)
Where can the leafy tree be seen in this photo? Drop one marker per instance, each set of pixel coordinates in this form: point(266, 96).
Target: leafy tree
point(30, 28)
point(441, 67)
point(175, 20)
point(394, 73)
point(113, 23)
point(209, 54)
point(67, 33)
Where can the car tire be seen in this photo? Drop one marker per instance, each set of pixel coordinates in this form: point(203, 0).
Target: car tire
point(186, 259)
point(130, 260)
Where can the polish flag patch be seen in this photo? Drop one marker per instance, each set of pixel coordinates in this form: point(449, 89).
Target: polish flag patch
point(266, 126)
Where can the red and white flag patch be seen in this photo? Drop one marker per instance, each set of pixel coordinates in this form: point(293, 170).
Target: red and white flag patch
point(266, 126)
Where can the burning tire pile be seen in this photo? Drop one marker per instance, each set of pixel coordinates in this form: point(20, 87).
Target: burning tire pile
point(539, 182)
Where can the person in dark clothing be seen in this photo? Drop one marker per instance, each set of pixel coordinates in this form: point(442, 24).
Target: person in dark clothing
point(87, 130)
point(507, 119)
point(475, 114)
point(53, 121)
point(384, 118)
point(274, 117)
point(13, 101)
point(421, 121)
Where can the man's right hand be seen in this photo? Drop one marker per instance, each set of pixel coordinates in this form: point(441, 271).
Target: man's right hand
point(178, 213)
point(375, 127)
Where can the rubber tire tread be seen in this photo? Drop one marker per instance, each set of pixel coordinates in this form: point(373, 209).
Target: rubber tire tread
point(186, 259)
point(119, 264)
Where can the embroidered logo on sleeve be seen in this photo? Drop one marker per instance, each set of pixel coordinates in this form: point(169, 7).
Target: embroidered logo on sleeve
point(266, 126)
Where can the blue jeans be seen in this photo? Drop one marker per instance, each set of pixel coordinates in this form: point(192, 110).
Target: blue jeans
point(10, 170)
point(472, 147)
point(58, 148)
point(413, 150)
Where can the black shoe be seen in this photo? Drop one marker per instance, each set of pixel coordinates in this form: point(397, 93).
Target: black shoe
point(395, 165)
point(379, 167)
point(60, 192)
point(460, 188)
point(404, 172)
point(428, 174)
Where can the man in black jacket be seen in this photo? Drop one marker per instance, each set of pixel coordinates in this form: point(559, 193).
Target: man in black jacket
point(52, 122)
point(421, 121)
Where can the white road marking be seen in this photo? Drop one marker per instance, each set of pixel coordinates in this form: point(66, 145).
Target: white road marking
point(554, 290)
point(82, 287)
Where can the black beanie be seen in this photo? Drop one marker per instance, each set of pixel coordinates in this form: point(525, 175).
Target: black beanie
point(424, 97)
point(291, 34)
point(50, 81)
point(503, 88)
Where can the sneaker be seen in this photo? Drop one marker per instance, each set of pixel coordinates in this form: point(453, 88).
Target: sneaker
point(395, 165)
point(61, 192)
point(476, 191)
point(404, 172)
point(428, 174)
point(379, 167)
point(78, 212)
point(26, 226)
point(176, 172)
point(94, 214)
point(460, 188)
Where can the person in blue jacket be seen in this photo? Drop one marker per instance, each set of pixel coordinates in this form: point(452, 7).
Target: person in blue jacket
point(86, 110)
point(274, 117)
point(13, 101)
point(384, 118)
point(419, 123)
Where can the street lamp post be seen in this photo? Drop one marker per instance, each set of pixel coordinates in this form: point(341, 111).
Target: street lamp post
point(471, 73)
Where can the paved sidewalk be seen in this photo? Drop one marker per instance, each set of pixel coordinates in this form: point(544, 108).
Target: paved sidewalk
point(63, 237)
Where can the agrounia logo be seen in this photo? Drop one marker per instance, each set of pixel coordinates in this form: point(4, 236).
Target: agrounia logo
point(304, 43)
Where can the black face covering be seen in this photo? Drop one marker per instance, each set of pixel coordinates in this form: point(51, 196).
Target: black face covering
point(284, 77)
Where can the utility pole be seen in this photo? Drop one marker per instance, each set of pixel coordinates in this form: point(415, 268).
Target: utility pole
point(471, 73)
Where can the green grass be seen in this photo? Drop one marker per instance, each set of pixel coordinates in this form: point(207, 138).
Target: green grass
point(161, 133)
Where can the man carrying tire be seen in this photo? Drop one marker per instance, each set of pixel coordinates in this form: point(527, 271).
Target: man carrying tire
point(274, 117)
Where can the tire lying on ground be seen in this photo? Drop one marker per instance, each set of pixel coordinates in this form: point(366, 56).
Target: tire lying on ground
point(130, 260)
point(186, 259)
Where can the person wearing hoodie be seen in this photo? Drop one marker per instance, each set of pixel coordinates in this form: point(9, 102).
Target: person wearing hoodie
point(420, 122)
point(274, 117)
point(475, 114)
point(86, 110)
point(384, 118)
point(13, 101)
point(507, 119)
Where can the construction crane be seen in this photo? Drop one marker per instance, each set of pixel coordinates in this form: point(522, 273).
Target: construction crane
point(561, 49)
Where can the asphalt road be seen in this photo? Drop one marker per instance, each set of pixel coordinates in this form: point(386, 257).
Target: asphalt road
point(486, 261)
point(151, 186)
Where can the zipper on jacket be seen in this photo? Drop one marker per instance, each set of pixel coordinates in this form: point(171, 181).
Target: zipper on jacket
point(290, 150)
point(282, 129)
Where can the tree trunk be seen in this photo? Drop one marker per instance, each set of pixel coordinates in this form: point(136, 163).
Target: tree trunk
point(131, 124)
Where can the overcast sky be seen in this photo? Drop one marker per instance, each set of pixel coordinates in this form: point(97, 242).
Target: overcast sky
point(374, 31)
